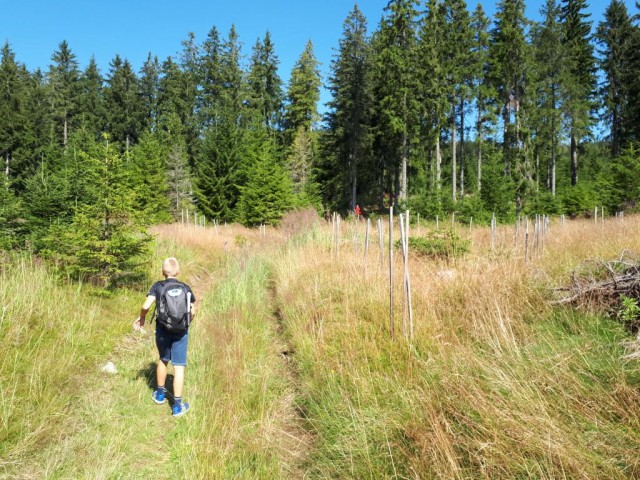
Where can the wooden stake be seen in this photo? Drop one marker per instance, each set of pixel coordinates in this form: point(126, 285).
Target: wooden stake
point(355, 236)
point(391, 319)
point(366, 244)
point(333, 232)
point(381, 242)
point(409, 284)
point(493, 231)
point(407, 277)
point(338, 233)
point(526, 241)
point(403, 243)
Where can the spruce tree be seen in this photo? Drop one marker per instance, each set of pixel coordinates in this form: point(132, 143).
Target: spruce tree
point(12, 105)
point(267, 194)
point(265, 86)
point(299, 160)
point(190, 80)
point(11, 214)
point(481, 88)
point(106, 241)
point(303, 93)
point(579, 80)
point(549, 62)
point(149, 179)
point(171, 104)
point(457, 69)
point(397, 88)
point(179, 177)
point(91, 106)
point(433, 88)
point(508, 54)
point(39, 142)
point(64, 78)
point(221, 166)
point(613, 35)
point(149, 92)
point(211, 82)
point(122, 98)
point(349, 115)
point(630, 75)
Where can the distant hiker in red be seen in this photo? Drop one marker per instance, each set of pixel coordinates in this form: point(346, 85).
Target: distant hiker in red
point(174, 312)
point(358, 211)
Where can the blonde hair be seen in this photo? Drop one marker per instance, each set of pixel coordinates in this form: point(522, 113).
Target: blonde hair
point(170, 267)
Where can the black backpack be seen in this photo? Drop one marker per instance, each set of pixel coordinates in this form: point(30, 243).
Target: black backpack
point(173, 307)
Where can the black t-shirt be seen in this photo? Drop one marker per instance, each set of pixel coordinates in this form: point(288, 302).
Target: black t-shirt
point(156, 288)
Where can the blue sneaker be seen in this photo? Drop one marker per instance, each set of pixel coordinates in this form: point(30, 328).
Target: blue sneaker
point(178, 410)
point(158, 397)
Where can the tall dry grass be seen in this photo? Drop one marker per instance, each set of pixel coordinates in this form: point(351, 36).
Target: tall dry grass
point(293, 373)
point(53, 337)
point(243, 423)
point(497, 382)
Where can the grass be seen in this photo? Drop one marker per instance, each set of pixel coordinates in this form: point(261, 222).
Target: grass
point(52, 334)
point(293, 374)
point(496, 384)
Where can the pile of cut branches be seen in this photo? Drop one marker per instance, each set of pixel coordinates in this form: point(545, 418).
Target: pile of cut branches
point(612, 286)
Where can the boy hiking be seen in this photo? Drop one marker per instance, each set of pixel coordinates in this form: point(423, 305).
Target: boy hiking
point(174, 312)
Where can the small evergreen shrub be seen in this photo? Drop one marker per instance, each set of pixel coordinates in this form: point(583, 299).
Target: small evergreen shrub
point(438, 245)
point(241, 241)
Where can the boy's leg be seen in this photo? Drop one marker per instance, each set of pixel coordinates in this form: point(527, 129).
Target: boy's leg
point(179, 361)
point(161, 373)
point(178, 380)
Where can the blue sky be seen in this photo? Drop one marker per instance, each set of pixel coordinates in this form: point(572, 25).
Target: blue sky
point(34, 28)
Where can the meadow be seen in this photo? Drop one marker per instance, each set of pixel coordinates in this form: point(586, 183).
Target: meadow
point(293, 372)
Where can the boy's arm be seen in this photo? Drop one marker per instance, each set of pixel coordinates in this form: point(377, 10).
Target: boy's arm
point(143, 312)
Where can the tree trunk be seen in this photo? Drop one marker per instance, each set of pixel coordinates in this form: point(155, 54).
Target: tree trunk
point(461, 148)
point(553, 141)
point(479, 142)
point(405, 159)
point(553, 165)
point(405, 151)
point(506, 142)
point(537, 171)
point(432, 171)
point(574, 158)
point(438, 164)
point(381, 185)
point(64, 131)
point(454, 166)
point(479, 164)
point(6, 166)
point(396, 184)
point(354, 182)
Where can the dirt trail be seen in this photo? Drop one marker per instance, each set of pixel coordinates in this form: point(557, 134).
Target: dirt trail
point(297, 437)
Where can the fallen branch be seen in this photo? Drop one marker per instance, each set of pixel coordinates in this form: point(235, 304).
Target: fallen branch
point(605, 282)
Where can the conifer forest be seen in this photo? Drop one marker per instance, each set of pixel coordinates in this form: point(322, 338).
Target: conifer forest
point(438, 108)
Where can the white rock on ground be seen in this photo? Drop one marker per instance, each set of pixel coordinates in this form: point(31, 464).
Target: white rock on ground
point(109, 367)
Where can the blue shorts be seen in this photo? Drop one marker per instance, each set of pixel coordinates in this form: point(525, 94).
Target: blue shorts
point(172, 347)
